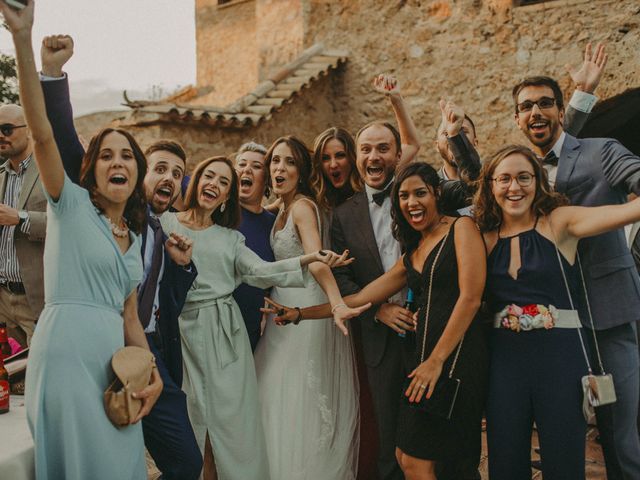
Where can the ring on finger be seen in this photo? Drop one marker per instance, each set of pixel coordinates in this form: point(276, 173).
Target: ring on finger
point(422, 387)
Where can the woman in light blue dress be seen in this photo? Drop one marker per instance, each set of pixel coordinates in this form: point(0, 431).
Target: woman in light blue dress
point(219, 373)
point(92, 267)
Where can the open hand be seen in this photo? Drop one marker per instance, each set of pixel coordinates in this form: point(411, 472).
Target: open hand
point(179, 248)
point(425, 376)
point(56, 50)
point(18, 21)
point(149, 395)
point(588, 75)
point(343, 313)
point(332, 259)
point(386, 84)
point(452, 117)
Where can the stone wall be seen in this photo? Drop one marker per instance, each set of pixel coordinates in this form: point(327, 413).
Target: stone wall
point(471, 50)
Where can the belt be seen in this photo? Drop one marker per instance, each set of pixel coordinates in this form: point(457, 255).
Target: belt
point(533, 317)
point(16, 288)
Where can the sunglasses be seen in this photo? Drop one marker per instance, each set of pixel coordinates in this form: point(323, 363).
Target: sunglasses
point(543, 104)
point(7, 129)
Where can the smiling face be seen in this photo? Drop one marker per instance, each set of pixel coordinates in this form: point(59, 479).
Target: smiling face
point(336, 167)
point(514, 199)
point(283, 170)
point(116, 169)
point(417, 203)
point(377, 156)
point(214, 186)
point(542, 127)
point(163, 179)
point(252, 176)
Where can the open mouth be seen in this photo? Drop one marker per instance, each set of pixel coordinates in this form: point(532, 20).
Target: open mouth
point(279, 181)
point(209, 194)
point(118, 179)
point(164, 192)
point(416, 216)
point(538, 127)
point(375, 171)
point(514, 198)
point(246, 182)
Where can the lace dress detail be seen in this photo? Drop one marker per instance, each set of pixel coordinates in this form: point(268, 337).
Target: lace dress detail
point(307, 384)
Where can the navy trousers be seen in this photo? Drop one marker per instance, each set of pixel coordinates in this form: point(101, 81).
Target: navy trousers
point(617, 423)
point(535, 376)
point(167, 431)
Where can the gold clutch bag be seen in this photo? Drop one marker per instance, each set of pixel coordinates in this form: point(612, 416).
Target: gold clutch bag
point(132, 368)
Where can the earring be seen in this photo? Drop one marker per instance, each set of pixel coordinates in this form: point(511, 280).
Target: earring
point(222, 208)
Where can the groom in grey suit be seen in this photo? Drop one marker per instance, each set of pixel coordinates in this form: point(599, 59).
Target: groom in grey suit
point(591, 172)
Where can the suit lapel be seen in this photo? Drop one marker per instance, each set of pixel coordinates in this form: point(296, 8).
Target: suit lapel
point(364, 226)
point(28, 182)
point(567, 162)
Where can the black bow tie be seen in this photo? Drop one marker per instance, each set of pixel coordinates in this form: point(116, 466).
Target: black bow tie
point(380, 196)
point(550, 159)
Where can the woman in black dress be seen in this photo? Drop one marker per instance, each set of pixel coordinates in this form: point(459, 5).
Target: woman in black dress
point(455, 246)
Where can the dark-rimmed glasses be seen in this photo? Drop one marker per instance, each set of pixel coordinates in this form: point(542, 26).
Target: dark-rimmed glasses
point(543, 103)
point(524, 179)
point(7, 128)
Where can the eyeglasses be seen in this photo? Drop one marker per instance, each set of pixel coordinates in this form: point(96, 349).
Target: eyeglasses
point(543, 103)
point(7, 128)
point(524, 179)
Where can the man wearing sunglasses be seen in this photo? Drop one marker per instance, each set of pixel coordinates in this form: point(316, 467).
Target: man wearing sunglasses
point(22, 228)
point(596, 171)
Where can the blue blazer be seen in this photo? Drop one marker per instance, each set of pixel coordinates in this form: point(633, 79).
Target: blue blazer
point(600, 171)
point(176, 280)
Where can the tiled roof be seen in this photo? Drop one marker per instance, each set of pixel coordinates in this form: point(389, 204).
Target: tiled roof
point(251, 109)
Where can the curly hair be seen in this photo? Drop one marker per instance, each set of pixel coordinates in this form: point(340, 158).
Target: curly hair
point(135, 211)
point(486, 210)
point(402, 231)
point(230, 217)
point(326, 194)
point(302, 159)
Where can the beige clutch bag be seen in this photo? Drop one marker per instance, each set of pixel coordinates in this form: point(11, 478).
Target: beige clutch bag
point(132, 367)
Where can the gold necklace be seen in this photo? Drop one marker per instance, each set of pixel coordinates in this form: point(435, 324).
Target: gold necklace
point(120, 232)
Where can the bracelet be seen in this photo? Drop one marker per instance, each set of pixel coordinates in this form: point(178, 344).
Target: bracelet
point(299, 317)
point(333, 310)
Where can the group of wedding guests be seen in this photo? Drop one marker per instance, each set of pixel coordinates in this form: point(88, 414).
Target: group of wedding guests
point(506, 302)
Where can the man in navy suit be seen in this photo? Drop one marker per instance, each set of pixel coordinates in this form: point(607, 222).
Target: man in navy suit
point(168, 270)
point(596, 171)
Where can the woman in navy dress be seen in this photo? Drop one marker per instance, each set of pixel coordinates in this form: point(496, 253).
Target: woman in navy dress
point(537, 345)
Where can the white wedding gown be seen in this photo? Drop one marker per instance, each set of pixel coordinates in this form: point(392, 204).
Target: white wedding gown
point(307, 385)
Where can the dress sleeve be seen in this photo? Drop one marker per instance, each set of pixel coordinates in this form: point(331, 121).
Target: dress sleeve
point(70, 198)
point(252, 270)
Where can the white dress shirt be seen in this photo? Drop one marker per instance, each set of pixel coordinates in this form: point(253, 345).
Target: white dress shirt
point(148, 255)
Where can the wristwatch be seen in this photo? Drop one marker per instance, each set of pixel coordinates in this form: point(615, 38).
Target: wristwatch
point(22, 217)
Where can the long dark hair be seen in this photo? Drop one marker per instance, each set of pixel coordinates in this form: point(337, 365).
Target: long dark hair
point(326, 194)
point(302, 159)
point(135, 211)
point(230, 217)
point(402, 231)
point(488, 214)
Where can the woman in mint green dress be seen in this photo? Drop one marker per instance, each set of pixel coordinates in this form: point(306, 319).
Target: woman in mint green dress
point(92, 266)
point(219, 373)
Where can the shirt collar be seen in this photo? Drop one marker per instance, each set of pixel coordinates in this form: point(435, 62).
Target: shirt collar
point(370, 190)
point(557, 147)
point(22, 166)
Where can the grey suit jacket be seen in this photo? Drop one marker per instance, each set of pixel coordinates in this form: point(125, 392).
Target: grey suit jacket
point(30, 248)
point(600, 171)
point(351, 228)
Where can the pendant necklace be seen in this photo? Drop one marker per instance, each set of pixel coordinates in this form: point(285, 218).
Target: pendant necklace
point(120, 232)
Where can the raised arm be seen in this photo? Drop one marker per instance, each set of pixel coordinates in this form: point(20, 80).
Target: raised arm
point(388, 85)
point(587, 78)
point(20, 23)
point(463, 151)
point(56, 50)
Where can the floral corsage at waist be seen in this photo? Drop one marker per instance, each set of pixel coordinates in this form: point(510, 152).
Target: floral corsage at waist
point(513, 317)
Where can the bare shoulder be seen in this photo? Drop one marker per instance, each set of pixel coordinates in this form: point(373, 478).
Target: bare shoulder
point(303, 207)
point(465, 226)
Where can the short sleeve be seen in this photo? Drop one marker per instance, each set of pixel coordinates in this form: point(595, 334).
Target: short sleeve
point(70, 198)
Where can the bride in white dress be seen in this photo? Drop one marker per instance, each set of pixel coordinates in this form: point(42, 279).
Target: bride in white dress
point(307, 380)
